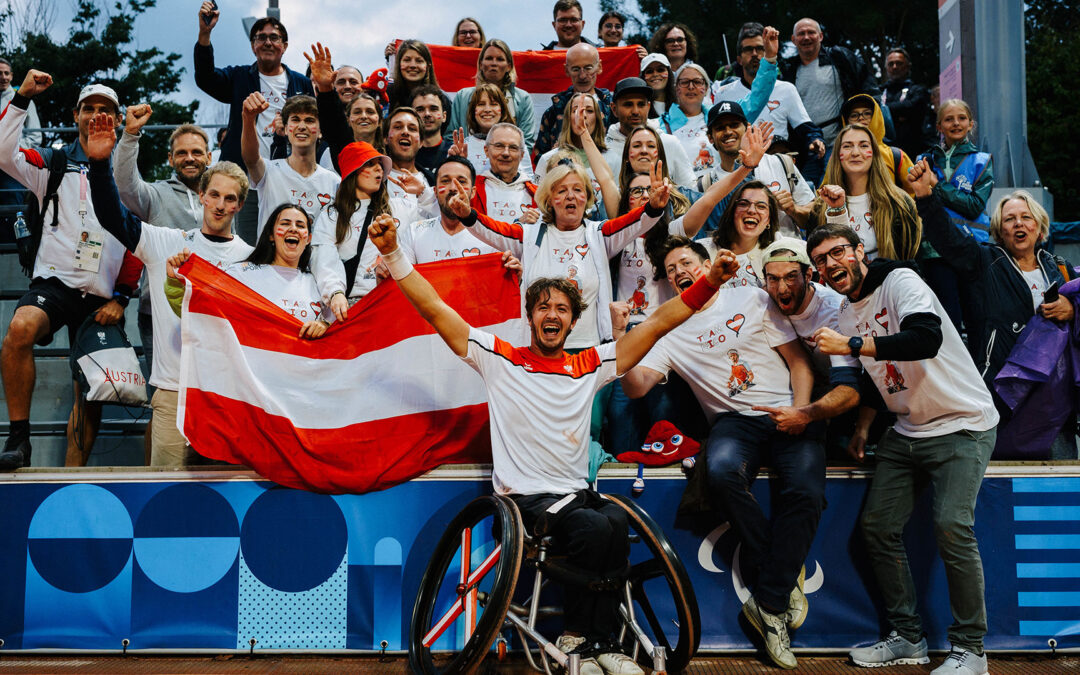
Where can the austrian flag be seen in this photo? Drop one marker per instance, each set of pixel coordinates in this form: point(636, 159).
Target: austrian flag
point(376, 401)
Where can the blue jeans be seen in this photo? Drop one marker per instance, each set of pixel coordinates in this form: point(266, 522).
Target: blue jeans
point(737, 448)
point(954, 464)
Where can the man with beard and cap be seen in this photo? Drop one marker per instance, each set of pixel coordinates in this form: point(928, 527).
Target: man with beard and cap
point(633, 100)
point(503, 192)
point(741, 357)
point(172, 202)
point(445, 237)
point(809, 306)
point(540, 398)
point(944, 434)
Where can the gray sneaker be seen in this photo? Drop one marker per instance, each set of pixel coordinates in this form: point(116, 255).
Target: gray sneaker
point(797, 605)
point(568, 643)
point(617, 663)
point(773, 630)
point(962, 662)
point(892, 651)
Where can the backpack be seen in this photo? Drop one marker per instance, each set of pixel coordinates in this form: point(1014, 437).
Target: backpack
point(35, 211)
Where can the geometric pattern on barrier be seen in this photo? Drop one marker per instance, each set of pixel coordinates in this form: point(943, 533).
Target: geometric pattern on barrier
point(186, 538)
point(310, 619)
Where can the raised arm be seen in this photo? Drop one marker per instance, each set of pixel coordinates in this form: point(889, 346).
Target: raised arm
point(214, 81)
point(111, 213)
point(632, 347)
point(135, 193)
point(423, 296)
point(755, 101)
point(756, 141)
point(960, 250)
point(26, 166)
point(609, 188)
point(254, 105)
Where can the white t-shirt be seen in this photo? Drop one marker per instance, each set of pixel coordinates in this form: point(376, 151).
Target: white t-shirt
point(273, 88)
point(772, 172)
point(822, 310)
point(694, 138)
point(281, 183)
point(480, 161)
point(428, 241)
point(932, 397)
point(328, 257)
point(426, 204)
point(861, 220)
point(783, 108)
point(748, 273)
point(288, 288)
point(540, 412)
point(156, 245)
point(1036, 281)
point(636, 284)
point(567, 255)
point(727, 353)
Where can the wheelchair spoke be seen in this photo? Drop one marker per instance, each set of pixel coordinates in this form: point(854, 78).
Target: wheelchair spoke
point(646, 570)
point(466, 592)
point(650, 615)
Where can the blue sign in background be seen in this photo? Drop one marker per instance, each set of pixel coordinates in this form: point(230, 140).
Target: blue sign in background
point(212, 565)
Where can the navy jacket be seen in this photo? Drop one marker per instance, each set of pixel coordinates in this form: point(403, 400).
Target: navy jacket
point(232, 84)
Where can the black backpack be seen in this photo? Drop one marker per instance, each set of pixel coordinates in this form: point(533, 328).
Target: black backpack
point(35, 211)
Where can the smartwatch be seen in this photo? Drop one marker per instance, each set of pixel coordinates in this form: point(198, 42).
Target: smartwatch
point(856, 345)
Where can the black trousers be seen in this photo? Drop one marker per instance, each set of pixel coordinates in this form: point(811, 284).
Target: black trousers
point(594, 535)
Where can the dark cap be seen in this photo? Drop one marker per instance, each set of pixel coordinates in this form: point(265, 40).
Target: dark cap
point(725, 108)
point(632, 85)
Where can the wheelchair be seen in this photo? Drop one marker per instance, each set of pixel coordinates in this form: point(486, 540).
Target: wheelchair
point(466, 600)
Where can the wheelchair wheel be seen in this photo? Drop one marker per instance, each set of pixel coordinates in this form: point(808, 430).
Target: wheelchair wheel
point(664, 601)
point(467, 588)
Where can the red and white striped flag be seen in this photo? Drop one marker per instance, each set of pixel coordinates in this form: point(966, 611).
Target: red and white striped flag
point(376, 401)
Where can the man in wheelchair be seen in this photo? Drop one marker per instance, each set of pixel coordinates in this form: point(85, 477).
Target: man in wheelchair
point(540, 401)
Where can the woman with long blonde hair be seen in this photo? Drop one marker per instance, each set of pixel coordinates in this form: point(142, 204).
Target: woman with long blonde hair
point(859, 191)
point(495, 65)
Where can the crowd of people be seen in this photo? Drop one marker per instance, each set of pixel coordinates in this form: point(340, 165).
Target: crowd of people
point(792, 226)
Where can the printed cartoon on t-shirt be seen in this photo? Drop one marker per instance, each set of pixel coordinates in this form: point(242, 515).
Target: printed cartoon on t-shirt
point(742, 375)
point(571, 276)
point(639, 299)
point(894, 379)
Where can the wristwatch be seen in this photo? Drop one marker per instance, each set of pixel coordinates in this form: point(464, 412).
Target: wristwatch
point(856, 345)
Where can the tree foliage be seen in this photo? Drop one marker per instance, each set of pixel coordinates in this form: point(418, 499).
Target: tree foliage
point(99, 48)
point(1053, 40)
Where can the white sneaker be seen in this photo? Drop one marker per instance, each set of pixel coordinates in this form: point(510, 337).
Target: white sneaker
point(892, 651)
point(568, 643)
point(797, 606)
point(617, 663)
point(773, 630)
point(962, 662)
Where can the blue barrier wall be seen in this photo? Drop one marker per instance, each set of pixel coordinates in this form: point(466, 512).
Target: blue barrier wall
point(212, 563)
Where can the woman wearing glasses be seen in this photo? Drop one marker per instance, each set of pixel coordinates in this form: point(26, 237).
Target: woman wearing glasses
point(677, 42)
point(468, 33)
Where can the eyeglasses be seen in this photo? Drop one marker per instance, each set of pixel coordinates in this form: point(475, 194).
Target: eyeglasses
point(836, 253)
point(674, 41)
point(746, 205)
point(272, 38)
point(500, 147)
point(863, 114)
point(691, 84)
point(468, 32)
point(577, 70)
point(567, 20)
point(752, 49)
point(613, 26)
point(640, 191)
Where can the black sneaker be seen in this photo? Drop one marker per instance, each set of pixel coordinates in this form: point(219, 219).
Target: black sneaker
point(15, 455)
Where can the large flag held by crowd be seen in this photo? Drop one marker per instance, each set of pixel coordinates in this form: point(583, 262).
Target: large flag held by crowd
point(378, 400)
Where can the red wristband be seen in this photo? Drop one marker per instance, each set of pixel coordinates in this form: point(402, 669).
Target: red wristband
point(697, 295)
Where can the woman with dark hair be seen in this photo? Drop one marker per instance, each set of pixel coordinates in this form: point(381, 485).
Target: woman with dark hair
point(677, 42)
point(412, 67)
point(277, 269)
point(495, 65)
point(468, 33)
point(749, 224)
point(345, 267)
point(656, 71)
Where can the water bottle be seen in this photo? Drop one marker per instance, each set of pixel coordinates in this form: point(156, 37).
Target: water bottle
point(21, 230)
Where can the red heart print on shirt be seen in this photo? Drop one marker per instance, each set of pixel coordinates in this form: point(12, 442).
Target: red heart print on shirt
point(465, 252)
point(324, 199)
point(735, 323)
point(582, 249)
point(882, 318)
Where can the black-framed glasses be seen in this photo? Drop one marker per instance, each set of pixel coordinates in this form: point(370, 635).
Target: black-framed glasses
point(696, 84)
point(860, 114)
point(674, 40)
point(836, 253)
point(272, 38)
point(640, 191)
point(746, 205)
point(752, 49)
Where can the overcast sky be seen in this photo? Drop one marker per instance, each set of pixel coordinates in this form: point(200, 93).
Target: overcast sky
point(355, 30)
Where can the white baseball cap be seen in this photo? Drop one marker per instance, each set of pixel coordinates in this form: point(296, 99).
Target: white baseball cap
point(653, 58)
point(98, 90)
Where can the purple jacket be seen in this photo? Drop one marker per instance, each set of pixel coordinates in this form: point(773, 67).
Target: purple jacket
point(1040, 382)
